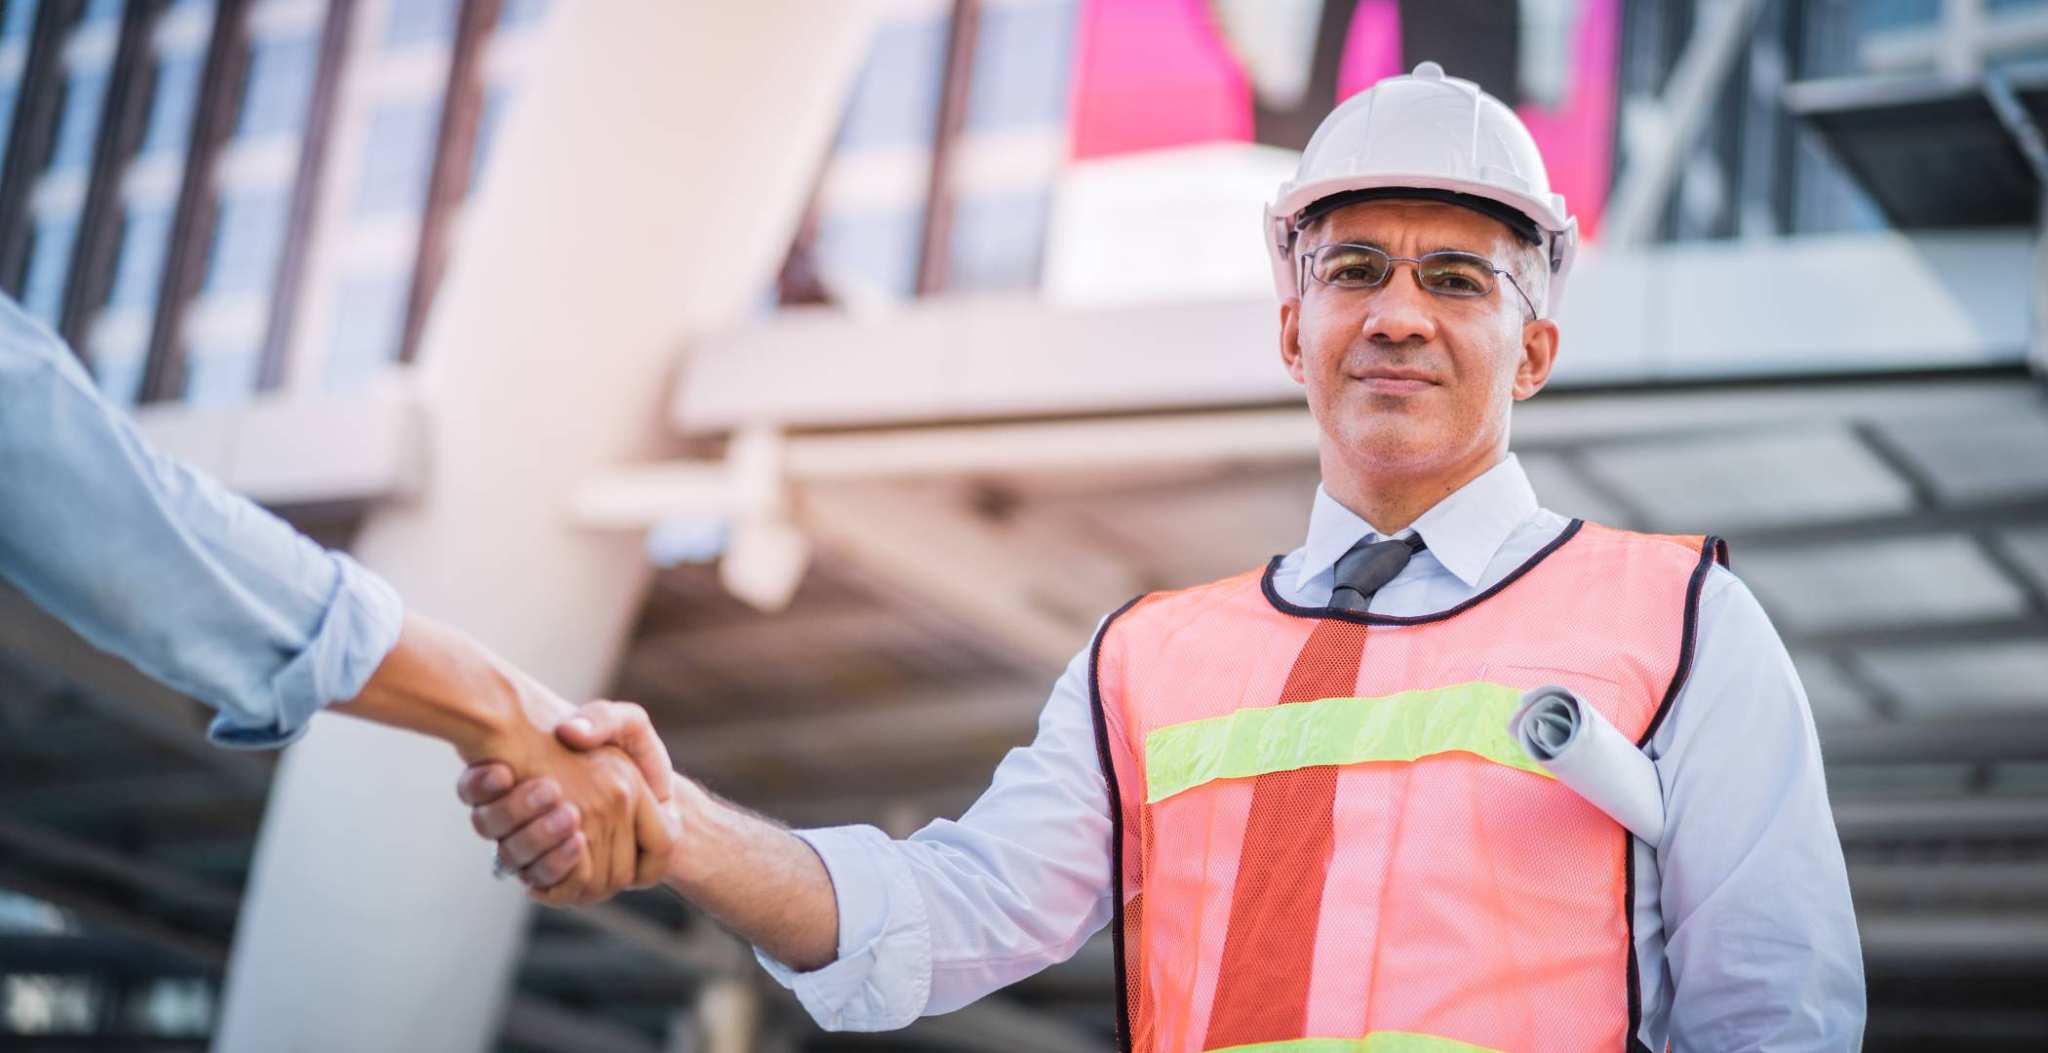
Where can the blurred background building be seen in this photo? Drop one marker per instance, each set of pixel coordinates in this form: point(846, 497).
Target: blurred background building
point(987, 348)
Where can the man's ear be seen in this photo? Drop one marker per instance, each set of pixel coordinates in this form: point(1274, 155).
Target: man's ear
point(1290, 339)
point(1539, 354)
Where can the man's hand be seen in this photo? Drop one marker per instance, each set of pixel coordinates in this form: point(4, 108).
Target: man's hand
point(562, 855)
point(748, 873)
point(439, 682)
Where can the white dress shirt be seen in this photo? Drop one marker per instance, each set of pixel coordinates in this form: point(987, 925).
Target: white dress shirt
point(1743, 927)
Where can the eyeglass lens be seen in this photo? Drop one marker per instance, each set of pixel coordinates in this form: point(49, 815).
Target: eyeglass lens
point(1362, 266)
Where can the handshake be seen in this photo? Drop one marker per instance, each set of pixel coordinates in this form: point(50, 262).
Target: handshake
point(584, 815)
point(583, 805)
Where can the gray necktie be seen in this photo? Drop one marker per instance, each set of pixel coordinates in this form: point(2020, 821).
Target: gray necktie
point(1368, 566)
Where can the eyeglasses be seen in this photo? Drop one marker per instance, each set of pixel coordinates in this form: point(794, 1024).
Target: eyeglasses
point(1463, 275)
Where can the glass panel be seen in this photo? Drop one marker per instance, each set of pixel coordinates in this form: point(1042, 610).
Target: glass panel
point(369, 320)
point(246, 243)
point(398, 158)
point(171, 105)
point(138, 271)
point(280, 87)
point(48, 263)
point(417, 22)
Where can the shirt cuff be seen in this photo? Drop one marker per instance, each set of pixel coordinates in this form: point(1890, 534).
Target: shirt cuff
point(882, 978)
point(354, 636)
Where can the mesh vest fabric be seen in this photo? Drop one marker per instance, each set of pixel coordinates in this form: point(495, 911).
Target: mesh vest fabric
point(1337, 853)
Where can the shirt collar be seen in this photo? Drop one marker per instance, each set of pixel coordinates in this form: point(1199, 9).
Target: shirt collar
point(1463, 531)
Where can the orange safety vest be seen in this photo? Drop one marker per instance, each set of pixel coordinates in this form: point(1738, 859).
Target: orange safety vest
point(1327, 842)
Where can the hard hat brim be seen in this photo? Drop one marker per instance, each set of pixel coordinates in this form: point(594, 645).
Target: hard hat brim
point(1562, 231)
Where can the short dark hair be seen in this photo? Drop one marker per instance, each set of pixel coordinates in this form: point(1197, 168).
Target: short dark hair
point(1524, 228)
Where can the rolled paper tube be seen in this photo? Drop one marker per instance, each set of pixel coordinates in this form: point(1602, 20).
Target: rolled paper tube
point(1572, 741)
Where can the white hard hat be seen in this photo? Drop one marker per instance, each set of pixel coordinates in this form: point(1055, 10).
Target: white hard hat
point(1435, 134)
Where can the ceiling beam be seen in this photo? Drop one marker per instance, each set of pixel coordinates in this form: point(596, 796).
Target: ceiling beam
point(541, 1024)
point(1948, 941)
point(1926, 632)
point(931, 719)
point(117, 691)
point(101, 795)
point(1959, 740)
point(204, 951)
point(1002, 1025)
point(85, 954)
point(704, 950)
point(1942, 819)
point(46, 846)
point(1991, 885)
point(933, 556)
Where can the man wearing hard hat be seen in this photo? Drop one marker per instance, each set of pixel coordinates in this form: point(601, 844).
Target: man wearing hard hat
point(1288, 792)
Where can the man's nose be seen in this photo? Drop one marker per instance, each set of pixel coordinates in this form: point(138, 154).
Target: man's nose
point(1399, 311)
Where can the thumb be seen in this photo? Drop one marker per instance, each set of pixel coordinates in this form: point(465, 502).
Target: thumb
point(656, 829)
point(626, 726)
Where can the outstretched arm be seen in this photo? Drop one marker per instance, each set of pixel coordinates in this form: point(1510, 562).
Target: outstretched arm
point(923, 925)
point(208, 593)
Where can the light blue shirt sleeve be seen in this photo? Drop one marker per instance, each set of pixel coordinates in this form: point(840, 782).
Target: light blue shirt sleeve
point(1760, 934)
point(959, 909)
point(157, 563)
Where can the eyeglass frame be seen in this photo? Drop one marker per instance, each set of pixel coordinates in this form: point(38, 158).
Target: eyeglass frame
point(1392, 260)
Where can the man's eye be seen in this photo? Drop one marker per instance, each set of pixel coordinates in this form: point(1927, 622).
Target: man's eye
point(1454, 281)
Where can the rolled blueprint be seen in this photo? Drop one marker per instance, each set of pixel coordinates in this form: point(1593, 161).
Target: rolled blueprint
point(1572, 741)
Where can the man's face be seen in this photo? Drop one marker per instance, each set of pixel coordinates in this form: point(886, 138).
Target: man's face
point(1403, 379)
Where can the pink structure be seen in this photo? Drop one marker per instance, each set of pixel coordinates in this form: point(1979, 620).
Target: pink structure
point(1152, 74)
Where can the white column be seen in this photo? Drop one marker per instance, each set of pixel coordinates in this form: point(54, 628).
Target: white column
point(642, 191)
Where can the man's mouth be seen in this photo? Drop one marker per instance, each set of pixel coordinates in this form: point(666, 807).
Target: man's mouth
point(1394, 381)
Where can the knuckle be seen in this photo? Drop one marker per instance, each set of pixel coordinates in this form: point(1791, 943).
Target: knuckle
point(523, 847)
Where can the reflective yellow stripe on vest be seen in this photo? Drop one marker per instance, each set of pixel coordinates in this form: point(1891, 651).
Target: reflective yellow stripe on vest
point(1377, 1042)
point(1468, 718)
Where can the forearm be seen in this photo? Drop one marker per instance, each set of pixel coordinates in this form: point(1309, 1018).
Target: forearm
point(155, 562)
point(755, 878)
point(439, 682)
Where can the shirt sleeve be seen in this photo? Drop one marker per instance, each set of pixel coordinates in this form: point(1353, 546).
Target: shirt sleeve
point(157, 563)
point(1761, 936)
point(962, 908)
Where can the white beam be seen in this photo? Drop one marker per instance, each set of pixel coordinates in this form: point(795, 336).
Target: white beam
point(1722, 310)
point(296, 448)
point(639, 498)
